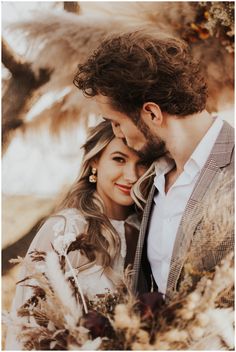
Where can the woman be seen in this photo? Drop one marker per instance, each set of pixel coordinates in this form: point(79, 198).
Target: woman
point(98, 212)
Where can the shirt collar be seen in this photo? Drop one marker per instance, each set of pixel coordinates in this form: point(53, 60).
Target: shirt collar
point(204, 147)
point(162, 166)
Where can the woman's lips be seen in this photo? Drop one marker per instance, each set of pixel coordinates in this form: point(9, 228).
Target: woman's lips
point(124, 189)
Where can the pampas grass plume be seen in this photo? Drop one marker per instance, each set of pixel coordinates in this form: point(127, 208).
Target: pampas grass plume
point(203, 319)
point(123, 320)
point(222, 320)
point(91, 345)
point(176, 335)
point(143, 336)
point(61, 287)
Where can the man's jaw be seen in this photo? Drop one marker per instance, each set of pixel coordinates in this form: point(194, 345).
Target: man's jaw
point(151, 152)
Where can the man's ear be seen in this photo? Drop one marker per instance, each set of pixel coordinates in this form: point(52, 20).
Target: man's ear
point(151, 114)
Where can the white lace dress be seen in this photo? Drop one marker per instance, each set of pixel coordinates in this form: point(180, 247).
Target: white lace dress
point(59, 229)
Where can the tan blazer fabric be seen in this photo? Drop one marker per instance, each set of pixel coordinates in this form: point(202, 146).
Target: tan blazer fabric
point(220, 160)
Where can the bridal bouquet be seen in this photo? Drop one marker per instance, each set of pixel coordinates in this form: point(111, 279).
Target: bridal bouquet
point(57, 317)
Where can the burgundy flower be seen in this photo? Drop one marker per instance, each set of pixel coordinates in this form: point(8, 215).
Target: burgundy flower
point(98, 325)
point(150, 303)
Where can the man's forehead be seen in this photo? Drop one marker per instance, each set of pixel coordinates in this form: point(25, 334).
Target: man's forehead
point(106, 110)
point(102, 99)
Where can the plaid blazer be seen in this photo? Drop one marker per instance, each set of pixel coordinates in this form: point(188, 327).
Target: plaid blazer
point(220, 159)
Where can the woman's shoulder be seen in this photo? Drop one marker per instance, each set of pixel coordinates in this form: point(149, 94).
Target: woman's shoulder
point(68, 213)
point(66, 222)
point(67, 217)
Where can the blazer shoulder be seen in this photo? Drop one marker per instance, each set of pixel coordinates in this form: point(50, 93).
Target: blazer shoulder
point(231, 141)
point(223, 149)
point(228, 132)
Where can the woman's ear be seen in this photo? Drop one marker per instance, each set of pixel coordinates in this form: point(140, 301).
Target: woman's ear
point(94, 164)
point(151, 114)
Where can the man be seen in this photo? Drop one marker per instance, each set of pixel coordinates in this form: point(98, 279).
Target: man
point(154, 94)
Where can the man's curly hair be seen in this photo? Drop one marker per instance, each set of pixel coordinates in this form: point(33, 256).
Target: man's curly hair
point(138, 67)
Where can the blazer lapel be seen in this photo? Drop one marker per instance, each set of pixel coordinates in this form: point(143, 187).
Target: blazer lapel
point(220, 156)
point(143, 228)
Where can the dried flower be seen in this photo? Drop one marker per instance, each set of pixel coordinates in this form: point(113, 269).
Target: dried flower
point(62, 242)
point(91, 345)
point(116, 323)
point(98, 325)
point(124, 319)
point(61, 286)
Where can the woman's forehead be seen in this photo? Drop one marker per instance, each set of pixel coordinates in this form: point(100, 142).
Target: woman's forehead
point(118, 145)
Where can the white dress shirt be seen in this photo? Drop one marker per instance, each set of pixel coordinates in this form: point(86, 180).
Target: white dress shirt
point(168, 207)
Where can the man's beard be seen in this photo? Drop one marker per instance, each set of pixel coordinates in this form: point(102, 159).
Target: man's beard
point(154, 148)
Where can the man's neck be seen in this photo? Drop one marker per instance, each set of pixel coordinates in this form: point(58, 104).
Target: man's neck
point(184, 135)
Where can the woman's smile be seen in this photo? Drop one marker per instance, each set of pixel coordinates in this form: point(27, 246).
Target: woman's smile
point(123, 188)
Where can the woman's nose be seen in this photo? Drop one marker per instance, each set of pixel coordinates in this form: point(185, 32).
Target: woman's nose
point(131, 174)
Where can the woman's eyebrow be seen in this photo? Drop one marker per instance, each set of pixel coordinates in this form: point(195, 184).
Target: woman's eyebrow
point(123, 154)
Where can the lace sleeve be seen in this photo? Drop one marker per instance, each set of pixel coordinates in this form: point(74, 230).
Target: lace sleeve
point(69, 221)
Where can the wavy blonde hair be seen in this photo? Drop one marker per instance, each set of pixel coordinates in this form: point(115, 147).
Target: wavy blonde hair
point(101, 235)
point(141, 188)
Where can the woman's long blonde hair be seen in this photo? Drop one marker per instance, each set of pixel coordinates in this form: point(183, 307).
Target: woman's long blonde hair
point(83, 196)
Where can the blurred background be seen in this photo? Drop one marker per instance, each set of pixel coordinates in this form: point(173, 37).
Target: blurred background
point(45, 118)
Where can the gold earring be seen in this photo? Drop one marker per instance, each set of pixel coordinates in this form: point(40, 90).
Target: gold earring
point(93, 177)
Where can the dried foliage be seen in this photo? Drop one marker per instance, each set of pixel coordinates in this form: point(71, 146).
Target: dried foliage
point(119, 321)
point(220, 22)
point(58, 40)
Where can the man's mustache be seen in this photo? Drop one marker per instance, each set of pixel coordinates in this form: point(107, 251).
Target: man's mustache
point(151, 153)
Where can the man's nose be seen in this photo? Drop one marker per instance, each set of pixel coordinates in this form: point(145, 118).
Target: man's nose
point(117, 131)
